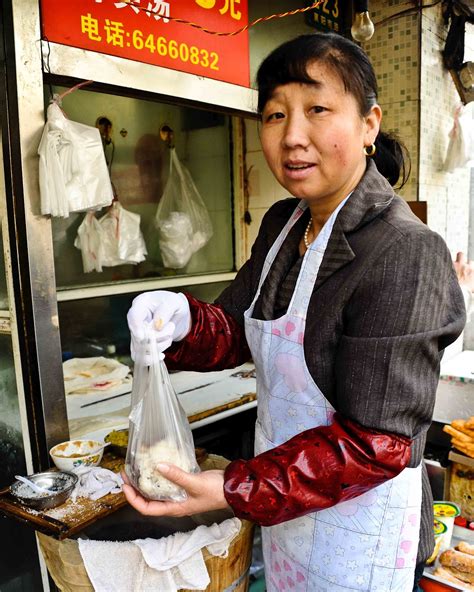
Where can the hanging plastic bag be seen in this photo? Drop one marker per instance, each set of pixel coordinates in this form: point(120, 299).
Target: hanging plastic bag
point(460, 152)
point(89, 242)
point(122, 239)
point(158, 428)
point(183, 222)
point(73, 173)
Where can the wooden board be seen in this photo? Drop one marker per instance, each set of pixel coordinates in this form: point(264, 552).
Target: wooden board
point(209, 412)
point(70, 517)
point(73, 516)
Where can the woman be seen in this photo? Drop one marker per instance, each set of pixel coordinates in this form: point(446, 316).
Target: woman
point(346, 303)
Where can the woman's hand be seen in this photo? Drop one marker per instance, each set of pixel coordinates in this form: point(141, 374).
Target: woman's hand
point(205, 492)
point(167, 315)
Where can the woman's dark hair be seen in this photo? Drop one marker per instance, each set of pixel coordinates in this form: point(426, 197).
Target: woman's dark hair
point(289, 63)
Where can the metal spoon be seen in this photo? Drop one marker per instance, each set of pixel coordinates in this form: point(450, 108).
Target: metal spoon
point(34, 486)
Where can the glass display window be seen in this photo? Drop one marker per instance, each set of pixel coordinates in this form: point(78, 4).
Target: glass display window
point(137, 136)
point(98, 326)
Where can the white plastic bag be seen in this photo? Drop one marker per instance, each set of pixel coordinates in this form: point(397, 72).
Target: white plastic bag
point(73, 172)
point(122, 239)
point(460, 152)
point(183, 222)
point(158, 428)
point(114, 239)
point(89, 241)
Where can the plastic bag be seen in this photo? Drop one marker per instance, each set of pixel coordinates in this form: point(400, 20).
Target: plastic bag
point(73, 173)
point(122, 239)
point(114, 239)
point(158, 429)
point(183, 222)
point(460, 152)
point(89, 241)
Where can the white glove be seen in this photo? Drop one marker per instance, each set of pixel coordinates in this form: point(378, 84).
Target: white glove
point(168, 314)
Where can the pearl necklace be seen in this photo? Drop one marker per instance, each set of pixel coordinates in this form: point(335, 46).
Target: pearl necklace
point(306, 241)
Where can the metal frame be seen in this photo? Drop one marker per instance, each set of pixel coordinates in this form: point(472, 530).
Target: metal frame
point(161, 82)
point(30, 235)
point(78, 293)
point(33, 274)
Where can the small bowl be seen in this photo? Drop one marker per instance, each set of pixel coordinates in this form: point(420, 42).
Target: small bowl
point(61, 483)
point(77, 453)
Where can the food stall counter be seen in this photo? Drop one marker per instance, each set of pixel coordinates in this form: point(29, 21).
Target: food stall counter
point(206, 397)
point(71, 517)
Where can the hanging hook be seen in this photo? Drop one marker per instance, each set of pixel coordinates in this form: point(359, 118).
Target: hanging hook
point(167, 135)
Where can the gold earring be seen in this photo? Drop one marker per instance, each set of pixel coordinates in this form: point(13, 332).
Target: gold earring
point(370, 150)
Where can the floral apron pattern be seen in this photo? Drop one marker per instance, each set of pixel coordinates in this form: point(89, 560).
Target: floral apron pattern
point(369, 543)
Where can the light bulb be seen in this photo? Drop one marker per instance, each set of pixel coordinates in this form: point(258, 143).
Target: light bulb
point(362, 28)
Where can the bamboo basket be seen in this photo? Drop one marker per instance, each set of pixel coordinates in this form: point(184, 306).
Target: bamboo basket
point(64, 561)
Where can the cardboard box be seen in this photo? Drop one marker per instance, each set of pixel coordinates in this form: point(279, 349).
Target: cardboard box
point(461, 483)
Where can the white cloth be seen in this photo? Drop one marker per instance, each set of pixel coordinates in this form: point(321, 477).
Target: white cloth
point(150, 565)
point(95, 482)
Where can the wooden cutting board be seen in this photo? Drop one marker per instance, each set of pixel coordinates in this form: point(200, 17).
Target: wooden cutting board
point(72, 516)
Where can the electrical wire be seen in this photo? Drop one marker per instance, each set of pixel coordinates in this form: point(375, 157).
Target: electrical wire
point(46, 66)
point(242, 29)
point(407, 12)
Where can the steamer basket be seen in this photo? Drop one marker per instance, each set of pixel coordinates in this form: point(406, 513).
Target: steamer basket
point(64, 561)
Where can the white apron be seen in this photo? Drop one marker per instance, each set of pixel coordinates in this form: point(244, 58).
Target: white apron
point(368, 543)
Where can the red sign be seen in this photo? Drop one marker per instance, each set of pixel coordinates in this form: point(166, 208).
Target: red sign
point(142, 30)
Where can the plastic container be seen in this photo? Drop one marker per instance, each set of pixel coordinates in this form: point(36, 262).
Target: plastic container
point(439, 529)
point(446, 512)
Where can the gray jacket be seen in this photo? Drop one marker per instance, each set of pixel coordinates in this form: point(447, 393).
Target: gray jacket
point(385, 304)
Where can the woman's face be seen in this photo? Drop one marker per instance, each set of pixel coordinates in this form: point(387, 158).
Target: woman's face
point(313, 137)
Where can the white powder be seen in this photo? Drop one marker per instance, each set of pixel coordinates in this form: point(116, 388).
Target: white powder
point(71, 512)
point(151, 482)
point(26, 492)
point(32, 511)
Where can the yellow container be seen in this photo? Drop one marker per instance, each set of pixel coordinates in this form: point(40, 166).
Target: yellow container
point(439, 530)
point(446, 512)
